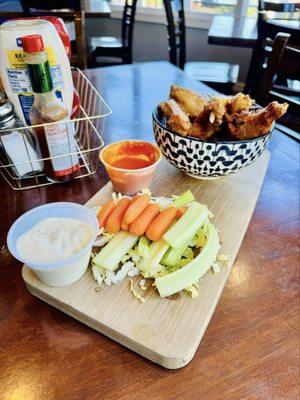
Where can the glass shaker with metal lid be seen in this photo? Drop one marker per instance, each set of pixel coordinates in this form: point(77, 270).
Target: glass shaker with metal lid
point(17, 146)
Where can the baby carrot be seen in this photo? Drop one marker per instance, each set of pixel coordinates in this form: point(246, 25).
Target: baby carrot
point(124, 225)
point(161, 223)
point(181, 211)
point(113, 223)
point(137, 206)
point(105, 212)
point(141, 223)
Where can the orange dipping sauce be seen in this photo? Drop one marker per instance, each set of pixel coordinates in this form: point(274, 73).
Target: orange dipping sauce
point(130, 164)
point(131, 155)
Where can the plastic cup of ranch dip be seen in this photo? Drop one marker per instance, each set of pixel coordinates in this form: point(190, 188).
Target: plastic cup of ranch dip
point(55, 241)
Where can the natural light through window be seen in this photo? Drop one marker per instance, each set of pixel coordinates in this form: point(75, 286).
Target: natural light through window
point(201, 6)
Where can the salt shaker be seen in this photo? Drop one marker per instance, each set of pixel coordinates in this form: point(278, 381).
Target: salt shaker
point(17, 146)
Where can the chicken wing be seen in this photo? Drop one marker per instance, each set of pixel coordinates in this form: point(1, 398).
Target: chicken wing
point(177, 120)
point(209, 121)
point(190, 102)
point(214, 111)
point(238, 103)
point(248, 125)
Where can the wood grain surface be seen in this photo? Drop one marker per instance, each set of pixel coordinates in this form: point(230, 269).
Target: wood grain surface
point(251, 347)
point(167, 331)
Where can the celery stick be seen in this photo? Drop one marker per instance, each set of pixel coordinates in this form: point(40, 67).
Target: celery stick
point(187, 226)
point(157, 250)
point(173, 256)
point(110, 247)
point(144, 246)
point(112, 261)
point(193, 271)
point(181, 201)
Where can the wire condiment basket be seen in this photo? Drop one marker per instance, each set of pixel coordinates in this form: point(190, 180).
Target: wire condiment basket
point(87, 129)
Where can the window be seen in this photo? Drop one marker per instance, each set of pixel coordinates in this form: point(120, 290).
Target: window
point(152, 4)
point(198, 12)
point(252, 8)
point(213, 6)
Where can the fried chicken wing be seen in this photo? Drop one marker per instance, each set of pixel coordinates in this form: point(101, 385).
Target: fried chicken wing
point(248, 125)
point(177, 120)
point(203, 131)
point(190, 102)
point(238, 103)
point(214, 111)
point(209, 121)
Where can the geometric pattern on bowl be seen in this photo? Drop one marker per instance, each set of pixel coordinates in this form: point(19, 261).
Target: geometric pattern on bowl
point(207, 159)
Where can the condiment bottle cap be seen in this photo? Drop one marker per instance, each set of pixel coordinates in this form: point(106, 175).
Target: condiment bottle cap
point(32, 43)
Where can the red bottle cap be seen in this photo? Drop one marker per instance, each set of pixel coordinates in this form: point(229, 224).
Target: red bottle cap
point(32, 43)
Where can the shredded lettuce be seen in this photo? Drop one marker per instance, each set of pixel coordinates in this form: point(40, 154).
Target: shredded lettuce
point(224, 258)
point(188, 253)
point(200, 239)
point(162, 202)
point(216, 268)
point(97, 274)
point(192, 291)
point(135, 293)
point(134, 255)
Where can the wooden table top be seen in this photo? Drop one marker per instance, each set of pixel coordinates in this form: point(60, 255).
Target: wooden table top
point(228, 30)
point(250, 349)
point(92, 9)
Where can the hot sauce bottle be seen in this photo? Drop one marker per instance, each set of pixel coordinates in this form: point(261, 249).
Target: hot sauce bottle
point(55, 140)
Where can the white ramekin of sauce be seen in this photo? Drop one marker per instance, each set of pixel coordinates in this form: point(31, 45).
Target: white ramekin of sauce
point(55, 241)
point(130, 164)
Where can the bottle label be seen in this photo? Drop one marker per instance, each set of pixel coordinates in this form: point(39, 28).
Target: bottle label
point(18, 75)
point(26, 100)
point(40, 77)
point(61, 142)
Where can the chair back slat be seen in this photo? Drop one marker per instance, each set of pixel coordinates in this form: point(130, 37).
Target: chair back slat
point(175, 18)
point(266, 32)
point(273, 63)
point(128, 25)
point(290, 63)
point(283, 64)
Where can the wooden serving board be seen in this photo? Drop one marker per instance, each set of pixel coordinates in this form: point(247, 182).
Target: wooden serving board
point(166, 331)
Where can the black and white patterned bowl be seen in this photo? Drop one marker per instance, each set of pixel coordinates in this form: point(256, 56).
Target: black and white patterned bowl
point(206, 160)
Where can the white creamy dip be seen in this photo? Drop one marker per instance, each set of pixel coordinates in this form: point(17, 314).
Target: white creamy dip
point(54, 239)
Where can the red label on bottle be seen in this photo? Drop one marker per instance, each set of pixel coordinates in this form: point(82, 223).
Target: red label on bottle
point(67, 171)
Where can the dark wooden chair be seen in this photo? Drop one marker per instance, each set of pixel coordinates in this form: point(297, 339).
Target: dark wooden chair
point(220, 76)
point(267, 29)
point(70, 12)
point(283, 63)
point(111, 50)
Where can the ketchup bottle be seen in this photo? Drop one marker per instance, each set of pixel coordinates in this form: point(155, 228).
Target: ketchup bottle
point(56, 141)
